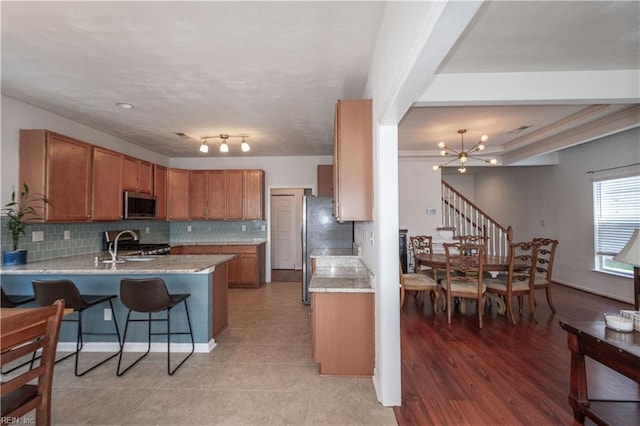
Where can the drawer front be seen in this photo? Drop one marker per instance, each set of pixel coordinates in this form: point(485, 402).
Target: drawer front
point(239, 249)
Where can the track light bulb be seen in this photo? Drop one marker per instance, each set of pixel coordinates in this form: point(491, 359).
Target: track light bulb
point(224, 147)
point(204, 148)
point(245, 146)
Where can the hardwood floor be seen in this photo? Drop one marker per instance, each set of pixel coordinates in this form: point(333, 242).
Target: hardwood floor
point(501, 374)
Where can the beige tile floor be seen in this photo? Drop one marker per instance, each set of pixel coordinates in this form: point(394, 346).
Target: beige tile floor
point(261, 373)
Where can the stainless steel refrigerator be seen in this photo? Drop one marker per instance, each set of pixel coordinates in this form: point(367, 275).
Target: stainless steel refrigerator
point(320, 230)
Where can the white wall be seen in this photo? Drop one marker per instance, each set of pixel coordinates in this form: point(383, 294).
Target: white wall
point(18, 115)
point(557, 202)
point(419, 190)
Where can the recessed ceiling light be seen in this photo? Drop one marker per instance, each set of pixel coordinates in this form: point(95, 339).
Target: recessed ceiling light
point(124, 105)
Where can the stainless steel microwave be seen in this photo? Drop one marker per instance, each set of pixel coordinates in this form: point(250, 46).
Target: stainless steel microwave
point(137, 205)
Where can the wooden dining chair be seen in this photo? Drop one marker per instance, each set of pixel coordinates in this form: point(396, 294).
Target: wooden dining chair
point(22, 334)
point(544, 267)
point(420, 283)
point(518, 282)
point(464, 275)
point(424, 244)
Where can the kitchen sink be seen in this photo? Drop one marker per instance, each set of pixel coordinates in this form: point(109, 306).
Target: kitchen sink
point(137, 258)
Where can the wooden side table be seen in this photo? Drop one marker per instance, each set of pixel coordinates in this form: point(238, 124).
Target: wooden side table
point(618, 351)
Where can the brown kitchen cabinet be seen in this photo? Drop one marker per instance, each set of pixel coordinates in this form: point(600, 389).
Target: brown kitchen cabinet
point(198, 189)
point(353, 160)
point(106, 172)
point(137, 175)
point(234, 195)
point(253, 194)
point(247, 269)
point(59, 168)
point(178, 194)
point(199, 249)
point(220, 314)
point(216, 194)
point(324, 180)
point(339, 321)
point(160, 191)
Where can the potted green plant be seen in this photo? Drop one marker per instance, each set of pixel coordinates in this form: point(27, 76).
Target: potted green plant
point(18, 212)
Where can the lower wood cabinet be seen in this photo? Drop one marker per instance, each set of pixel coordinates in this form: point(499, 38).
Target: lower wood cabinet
point(342, 333)
point(219, 295)
point(247, 269)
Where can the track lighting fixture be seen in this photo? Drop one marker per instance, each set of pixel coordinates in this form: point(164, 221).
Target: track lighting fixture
point(224, 146)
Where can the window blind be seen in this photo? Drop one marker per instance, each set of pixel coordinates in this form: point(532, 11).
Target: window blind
point(616, 212)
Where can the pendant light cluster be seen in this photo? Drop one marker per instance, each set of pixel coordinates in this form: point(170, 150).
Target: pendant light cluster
point(224, 147)
point(463, 155)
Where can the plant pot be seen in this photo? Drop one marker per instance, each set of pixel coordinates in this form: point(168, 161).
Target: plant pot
point(14, 257)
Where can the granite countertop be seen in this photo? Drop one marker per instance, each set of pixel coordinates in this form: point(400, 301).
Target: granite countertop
point(340, 273)
point(87, 264)
point(226, 242)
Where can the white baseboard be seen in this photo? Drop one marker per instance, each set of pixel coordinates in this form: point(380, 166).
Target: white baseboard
point(137, 347)
point(592, 291)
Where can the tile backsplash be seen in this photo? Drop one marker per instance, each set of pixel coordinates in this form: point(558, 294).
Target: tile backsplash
point(87, 237)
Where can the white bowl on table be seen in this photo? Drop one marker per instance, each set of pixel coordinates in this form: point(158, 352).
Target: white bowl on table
point(618, 322)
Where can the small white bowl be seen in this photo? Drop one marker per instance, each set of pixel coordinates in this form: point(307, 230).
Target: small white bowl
point(618, 323)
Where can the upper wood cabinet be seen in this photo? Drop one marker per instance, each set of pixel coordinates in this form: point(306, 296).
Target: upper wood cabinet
point(234, 195)
point(58, 167)
point(325, 180)
point(217, 194)
point(107, 196)
point(198, 184)
point(353, 160)
point(137, 175)
point(178, 194)
point(253, 194)
point(160, 191)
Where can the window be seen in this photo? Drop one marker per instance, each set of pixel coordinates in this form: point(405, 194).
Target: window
point(616, 204)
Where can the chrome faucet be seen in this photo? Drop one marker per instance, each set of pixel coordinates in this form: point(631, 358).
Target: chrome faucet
point(113, 246)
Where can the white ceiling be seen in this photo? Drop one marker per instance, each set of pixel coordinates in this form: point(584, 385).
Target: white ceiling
point(273, 70)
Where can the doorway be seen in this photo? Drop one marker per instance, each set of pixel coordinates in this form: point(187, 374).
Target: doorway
point(286, 241)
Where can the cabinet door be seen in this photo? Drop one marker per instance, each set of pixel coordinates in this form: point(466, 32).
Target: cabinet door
point(145, 177)
point(249, 270)
point(353, 160)
point(68, 179)
point(234, 195)
point(130, 173)
point(253, 195)
point(160, 191)
point(178, 194)
point(198, 194)
point(233, 271)
point(325, 180)
point(216, 194)
point(107, 196)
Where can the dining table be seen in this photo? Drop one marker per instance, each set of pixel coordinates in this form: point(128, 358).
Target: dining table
point(492, 263)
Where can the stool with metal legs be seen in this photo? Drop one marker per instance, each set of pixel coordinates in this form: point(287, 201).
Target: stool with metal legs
point(150, 295)
point(13, 301)
point(46, 292)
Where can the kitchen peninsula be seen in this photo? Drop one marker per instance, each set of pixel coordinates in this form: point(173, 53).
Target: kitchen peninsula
point(342, 313)
point(203, 276)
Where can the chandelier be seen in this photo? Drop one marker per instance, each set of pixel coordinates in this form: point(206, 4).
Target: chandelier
point(224, 147)
point(463, 155)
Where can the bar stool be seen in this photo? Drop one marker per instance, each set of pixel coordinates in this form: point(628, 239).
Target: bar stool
point(11, 301)
point(150, 295)
point(46, 292)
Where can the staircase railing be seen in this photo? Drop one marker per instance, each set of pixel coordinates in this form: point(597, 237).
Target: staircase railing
point(467, 219)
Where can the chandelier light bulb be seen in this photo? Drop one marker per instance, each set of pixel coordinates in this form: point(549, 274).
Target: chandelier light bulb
point(480, 147)
point(463, 158)
point(204, 148)
point(443, 152)
point(224, 147)
point(493, 161)
point(462, 169)
point(484, 138)
point(436, 167)
point(441, 145)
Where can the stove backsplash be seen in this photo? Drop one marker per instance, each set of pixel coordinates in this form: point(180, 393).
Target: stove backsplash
point(87, 237)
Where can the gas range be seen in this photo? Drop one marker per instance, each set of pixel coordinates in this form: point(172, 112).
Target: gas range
point(126, 244)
